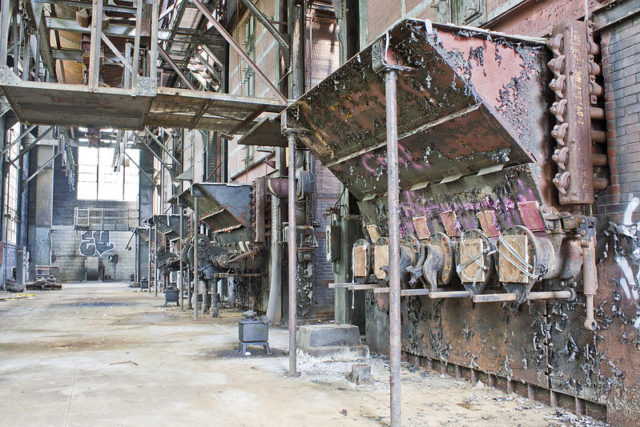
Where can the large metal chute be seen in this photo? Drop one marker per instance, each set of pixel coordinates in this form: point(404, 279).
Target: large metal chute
point(459, 110)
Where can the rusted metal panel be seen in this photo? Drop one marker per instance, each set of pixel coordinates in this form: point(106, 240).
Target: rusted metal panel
point(490, 337)
point(453, 118)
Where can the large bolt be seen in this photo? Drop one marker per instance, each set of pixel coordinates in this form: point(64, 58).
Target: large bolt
point(556, 44)
point(561, 181)
point(557, 65)
point(557, 109)
point(560, 156)
point(559, 132)
point(557, 85)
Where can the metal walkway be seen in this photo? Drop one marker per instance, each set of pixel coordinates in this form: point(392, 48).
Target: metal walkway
point(40, 103)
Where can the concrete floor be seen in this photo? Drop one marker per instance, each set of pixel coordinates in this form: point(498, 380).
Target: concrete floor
point(105, 354)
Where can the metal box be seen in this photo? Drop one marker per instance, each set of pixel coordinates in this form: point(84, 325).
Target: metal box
point(252, 331)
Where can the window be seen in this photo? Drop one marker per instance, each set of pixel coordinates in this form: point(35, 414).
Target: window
point(97, 179)
point(10, 213)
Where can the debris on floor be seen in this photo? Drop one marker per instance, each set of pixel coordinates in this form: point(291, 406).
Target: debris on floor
point(42, 284)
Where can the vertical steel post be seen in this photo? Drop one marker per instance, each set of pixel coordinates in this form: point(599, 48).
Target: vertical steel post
point(136, 47)
point(180, 254)
point(26, 57)
point(391, 78)
point(196, 228)
point(153, 48)
point(127, 75)
point(155, 258)
point(4, 30)
point(292, 259)
point(149, 262)
point(94, 50)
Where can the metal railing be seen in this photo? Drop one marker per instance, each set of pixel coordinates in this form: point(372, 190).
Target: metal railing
point(105, 219)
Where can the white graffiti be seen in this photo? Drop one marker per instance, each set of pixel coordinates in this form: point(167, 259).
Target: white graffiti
point(630, 283)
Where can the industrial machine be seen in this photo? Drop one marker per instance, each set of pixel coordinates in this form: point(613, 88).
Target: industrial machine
point(501, 155)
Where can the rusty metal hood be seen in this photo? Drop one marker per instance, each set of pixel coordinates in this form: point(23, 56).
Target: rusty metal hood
point(223, 207)
point(468, 102)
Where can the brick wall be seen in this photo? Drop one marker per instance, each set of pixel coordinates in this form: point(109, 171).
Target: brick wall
point(621, 71)
point(382, 14)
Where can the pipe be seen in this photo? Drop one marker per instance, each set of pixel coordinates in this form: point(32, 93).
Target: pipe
point(195, 258)
point(275, 282)
point(180, 253)
point(550, 295)
point(292, 256)
point(395, 331)
point(590, 280)
point(496, 297)
point(449, 294)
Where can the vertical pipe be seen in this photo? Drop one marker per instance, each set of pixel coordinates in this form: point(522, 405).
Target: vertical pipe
point(394, 246)
point(149, 262)
point(275, 282)
point(153, 49)
point(292, 261)
point(297, 51)
point(180, 255)
point(136, 46)
point(590, 280)
point(155, 258)
point(196, 229)
point(94, 51)
point(136, 259)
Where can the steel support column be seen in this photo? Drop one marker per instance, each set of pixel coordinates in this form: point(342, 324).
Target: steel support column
point(195, 257)
point(7, 12)
point(153, 49)
point(94, 51)
point(136, 47)
point(393, 213)
point(155, 258)
point(149, 262)
point(180, 255)
point(292, 258)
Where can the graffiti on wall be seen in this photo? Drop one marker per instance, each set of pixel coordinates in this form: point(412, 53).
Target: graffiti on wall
point(626, 241)
point(95, 243)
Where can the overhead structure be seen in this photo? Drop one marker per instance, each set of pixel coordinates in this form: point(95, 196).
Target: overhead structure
point(115, 75)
